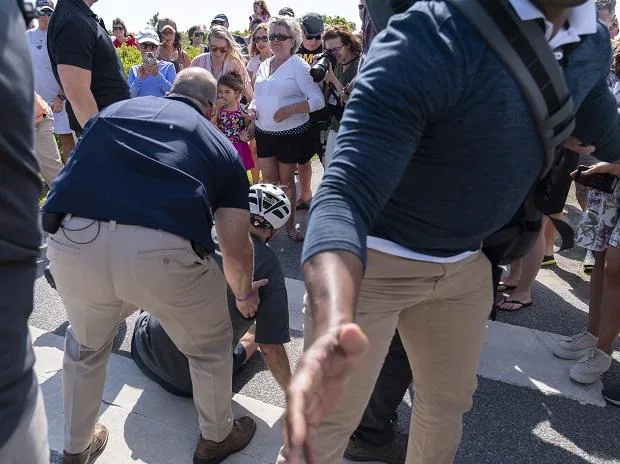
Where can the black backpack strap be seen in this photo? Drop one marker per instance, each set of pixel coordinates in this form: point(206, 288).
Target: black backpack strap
point(522, 47)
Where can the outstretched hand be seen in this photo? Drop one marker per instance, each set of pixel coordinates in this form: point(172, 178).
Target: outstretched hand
point(575, 145)
point(316, 388)
point(601, 168)
point(249, 307)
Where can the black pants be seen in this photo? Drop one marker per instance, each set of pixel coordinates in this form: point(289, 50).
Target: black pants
point(377, 424)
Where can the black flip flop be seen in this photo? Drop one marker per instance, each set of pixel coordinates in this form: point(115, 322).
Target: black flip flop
point(521, 305)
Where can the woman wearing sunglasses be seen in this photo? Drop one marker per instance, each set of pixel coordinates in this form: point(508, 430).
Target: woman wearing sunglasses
point(152, 78)
point(170, 47)
point(284, 96)
point(224, 57)
point(196, 36)
point(120, 35)
point(259, 49)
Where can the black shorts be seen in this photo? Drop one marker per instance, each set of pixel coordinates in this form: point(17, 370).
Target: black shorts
point(562, 183)
point(294, 146)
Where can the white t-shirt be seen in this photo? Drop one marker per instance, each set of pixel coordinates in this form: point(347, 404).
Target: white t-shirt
point(44, 81)
point(254, 64)
point(291, 83)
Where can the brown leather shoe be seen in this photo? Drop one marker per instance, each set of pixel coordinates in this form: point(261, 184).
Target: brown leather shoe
point(210, 452)
point(100, 440)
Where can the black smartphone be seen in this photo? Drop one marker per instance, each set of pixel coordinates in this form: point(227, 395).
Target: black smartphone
point(604, 182)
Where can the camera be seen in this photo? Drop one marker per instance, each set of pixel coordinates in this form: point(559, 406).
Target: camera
point(149, 59)
point(319, 69)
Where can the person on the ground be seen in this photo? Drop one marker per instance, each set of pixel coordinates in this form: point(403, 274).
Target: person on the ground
point(46, 149)
point(84, 62)
point(222, 20)
point(599, 231)
point(45, 83)
point(170, 46)
point(121, 36)
point(260, 12)
point(150, 79)
point(230, 117)
point(347, 49)
point(285, 94)
point(163, 362)
point(23, 423)
point(259, 49)
point(312, 27)
point(388, 248)
point(224, 57)
point(286, 11)
point(149, 245)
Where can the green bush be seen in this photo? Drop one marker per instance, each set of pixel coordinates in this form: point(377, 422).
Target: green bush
point(129, 56)
point(193, 52)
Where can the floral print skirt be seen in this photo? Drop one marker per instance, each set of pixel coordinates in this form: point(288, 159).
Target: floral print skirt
point(600, 223)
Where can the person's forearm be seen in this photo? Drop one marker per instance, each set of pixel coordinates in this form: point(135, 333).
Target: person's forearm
point(300, 108)
point(239, 269)
point(164, 84)
point(277, 361)
point(83, 104)
point(332, 280)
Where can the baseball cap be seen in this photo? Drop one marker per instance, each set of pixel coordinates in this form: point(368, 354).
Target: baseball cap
point(287, 11)
point(220, 19)
point(312, 24)
point(148, 35)
point(43, 5)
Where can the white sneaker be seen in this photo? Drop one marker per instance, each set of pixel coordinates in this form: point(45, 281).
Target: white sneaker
point(591, 367)
point(575, 347)
point(588, 262)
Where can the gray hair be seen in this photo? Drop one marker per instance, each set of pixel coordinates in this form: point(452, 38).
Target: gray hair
point(606, 5)
point(293, 27)
point(197, 83)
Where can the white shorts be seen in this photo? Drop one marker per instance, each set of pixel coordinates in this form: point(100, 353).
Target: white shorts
point(61, 123)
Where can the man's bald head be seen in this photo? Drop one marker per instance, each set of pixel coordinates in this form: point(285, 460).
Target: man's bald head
point(196, 83)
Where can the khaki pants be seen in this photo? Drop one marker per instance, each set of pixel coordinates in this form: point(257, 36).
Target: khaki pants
point(46, 150)
point(28, 444)
point(104, 272)
point(440, 311)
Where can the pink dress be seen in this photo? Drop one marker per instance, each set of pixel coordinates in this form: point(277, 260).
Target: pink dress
point(231, 123)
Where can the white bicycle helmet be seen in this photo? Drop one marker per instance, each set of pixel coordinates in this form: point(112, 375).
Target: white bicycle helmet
point(270, 203)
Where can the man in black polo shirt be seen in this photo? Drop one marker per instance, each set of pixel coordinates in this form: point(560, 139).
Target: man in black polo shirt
point(84, 61)
point(23, 426)
point(161, 360)
point(140, 236)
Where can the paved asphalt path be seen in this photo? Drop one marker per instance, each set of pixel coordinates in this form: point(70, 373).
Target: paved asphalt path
point(508, 424)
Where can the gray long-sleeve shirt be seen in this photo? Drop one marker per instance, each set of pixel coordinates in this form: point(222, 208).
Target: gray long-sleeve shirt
point(438, 148)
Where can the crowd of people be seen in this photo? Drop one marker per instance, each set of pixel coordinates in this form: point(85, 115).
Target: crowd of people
point(397, 288)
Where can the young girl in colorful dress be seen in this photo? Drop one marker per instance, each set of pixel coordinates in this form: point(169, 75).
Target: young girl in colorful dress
point(230, 118)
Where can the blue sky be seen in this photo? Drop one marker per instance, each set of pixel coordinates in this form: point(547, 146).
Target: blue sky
point(136, 13)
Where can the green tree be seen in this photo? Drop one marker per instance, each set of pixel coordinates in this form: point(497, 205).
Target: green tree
point(241, 33)
point(128, 56)
point(153, 21)
point(339, 21)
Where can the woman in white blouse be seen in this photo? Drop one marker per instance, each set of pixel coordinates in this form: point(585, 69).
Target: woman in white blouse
point(224, 57)
point(284, 94)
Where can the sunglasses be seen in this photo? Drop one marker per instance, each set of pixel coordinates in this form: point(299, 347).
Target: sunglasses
point(118, 28)
point(360, 7)
point(278, 37)
point(215, 49)
point(148, 46)
point(199, 34)
point(45, 13)
point(335, 49)
point(262, 38)
point(313, 37)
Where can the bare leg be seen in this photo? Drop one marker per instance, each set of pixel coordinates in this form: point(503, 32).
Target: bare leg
point(255, 171)
point(531, 266)
point(68, 144)
point(305, 181)
point(515, 273)
point(277, 360)
point(287, 182)
point(610, 302)
point(550, 234)
point(269, 167)
point(597, 280)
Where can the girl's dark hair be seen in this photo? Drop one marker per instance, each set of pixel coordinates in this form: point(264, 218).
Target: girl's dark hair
point(233, 80)
point(346, 36)
point(263, 6)
point(191, 31)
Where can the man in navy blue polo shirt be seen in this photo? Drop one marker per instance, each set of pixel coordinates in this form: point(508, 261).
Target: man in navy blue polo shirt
point(133, 211)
